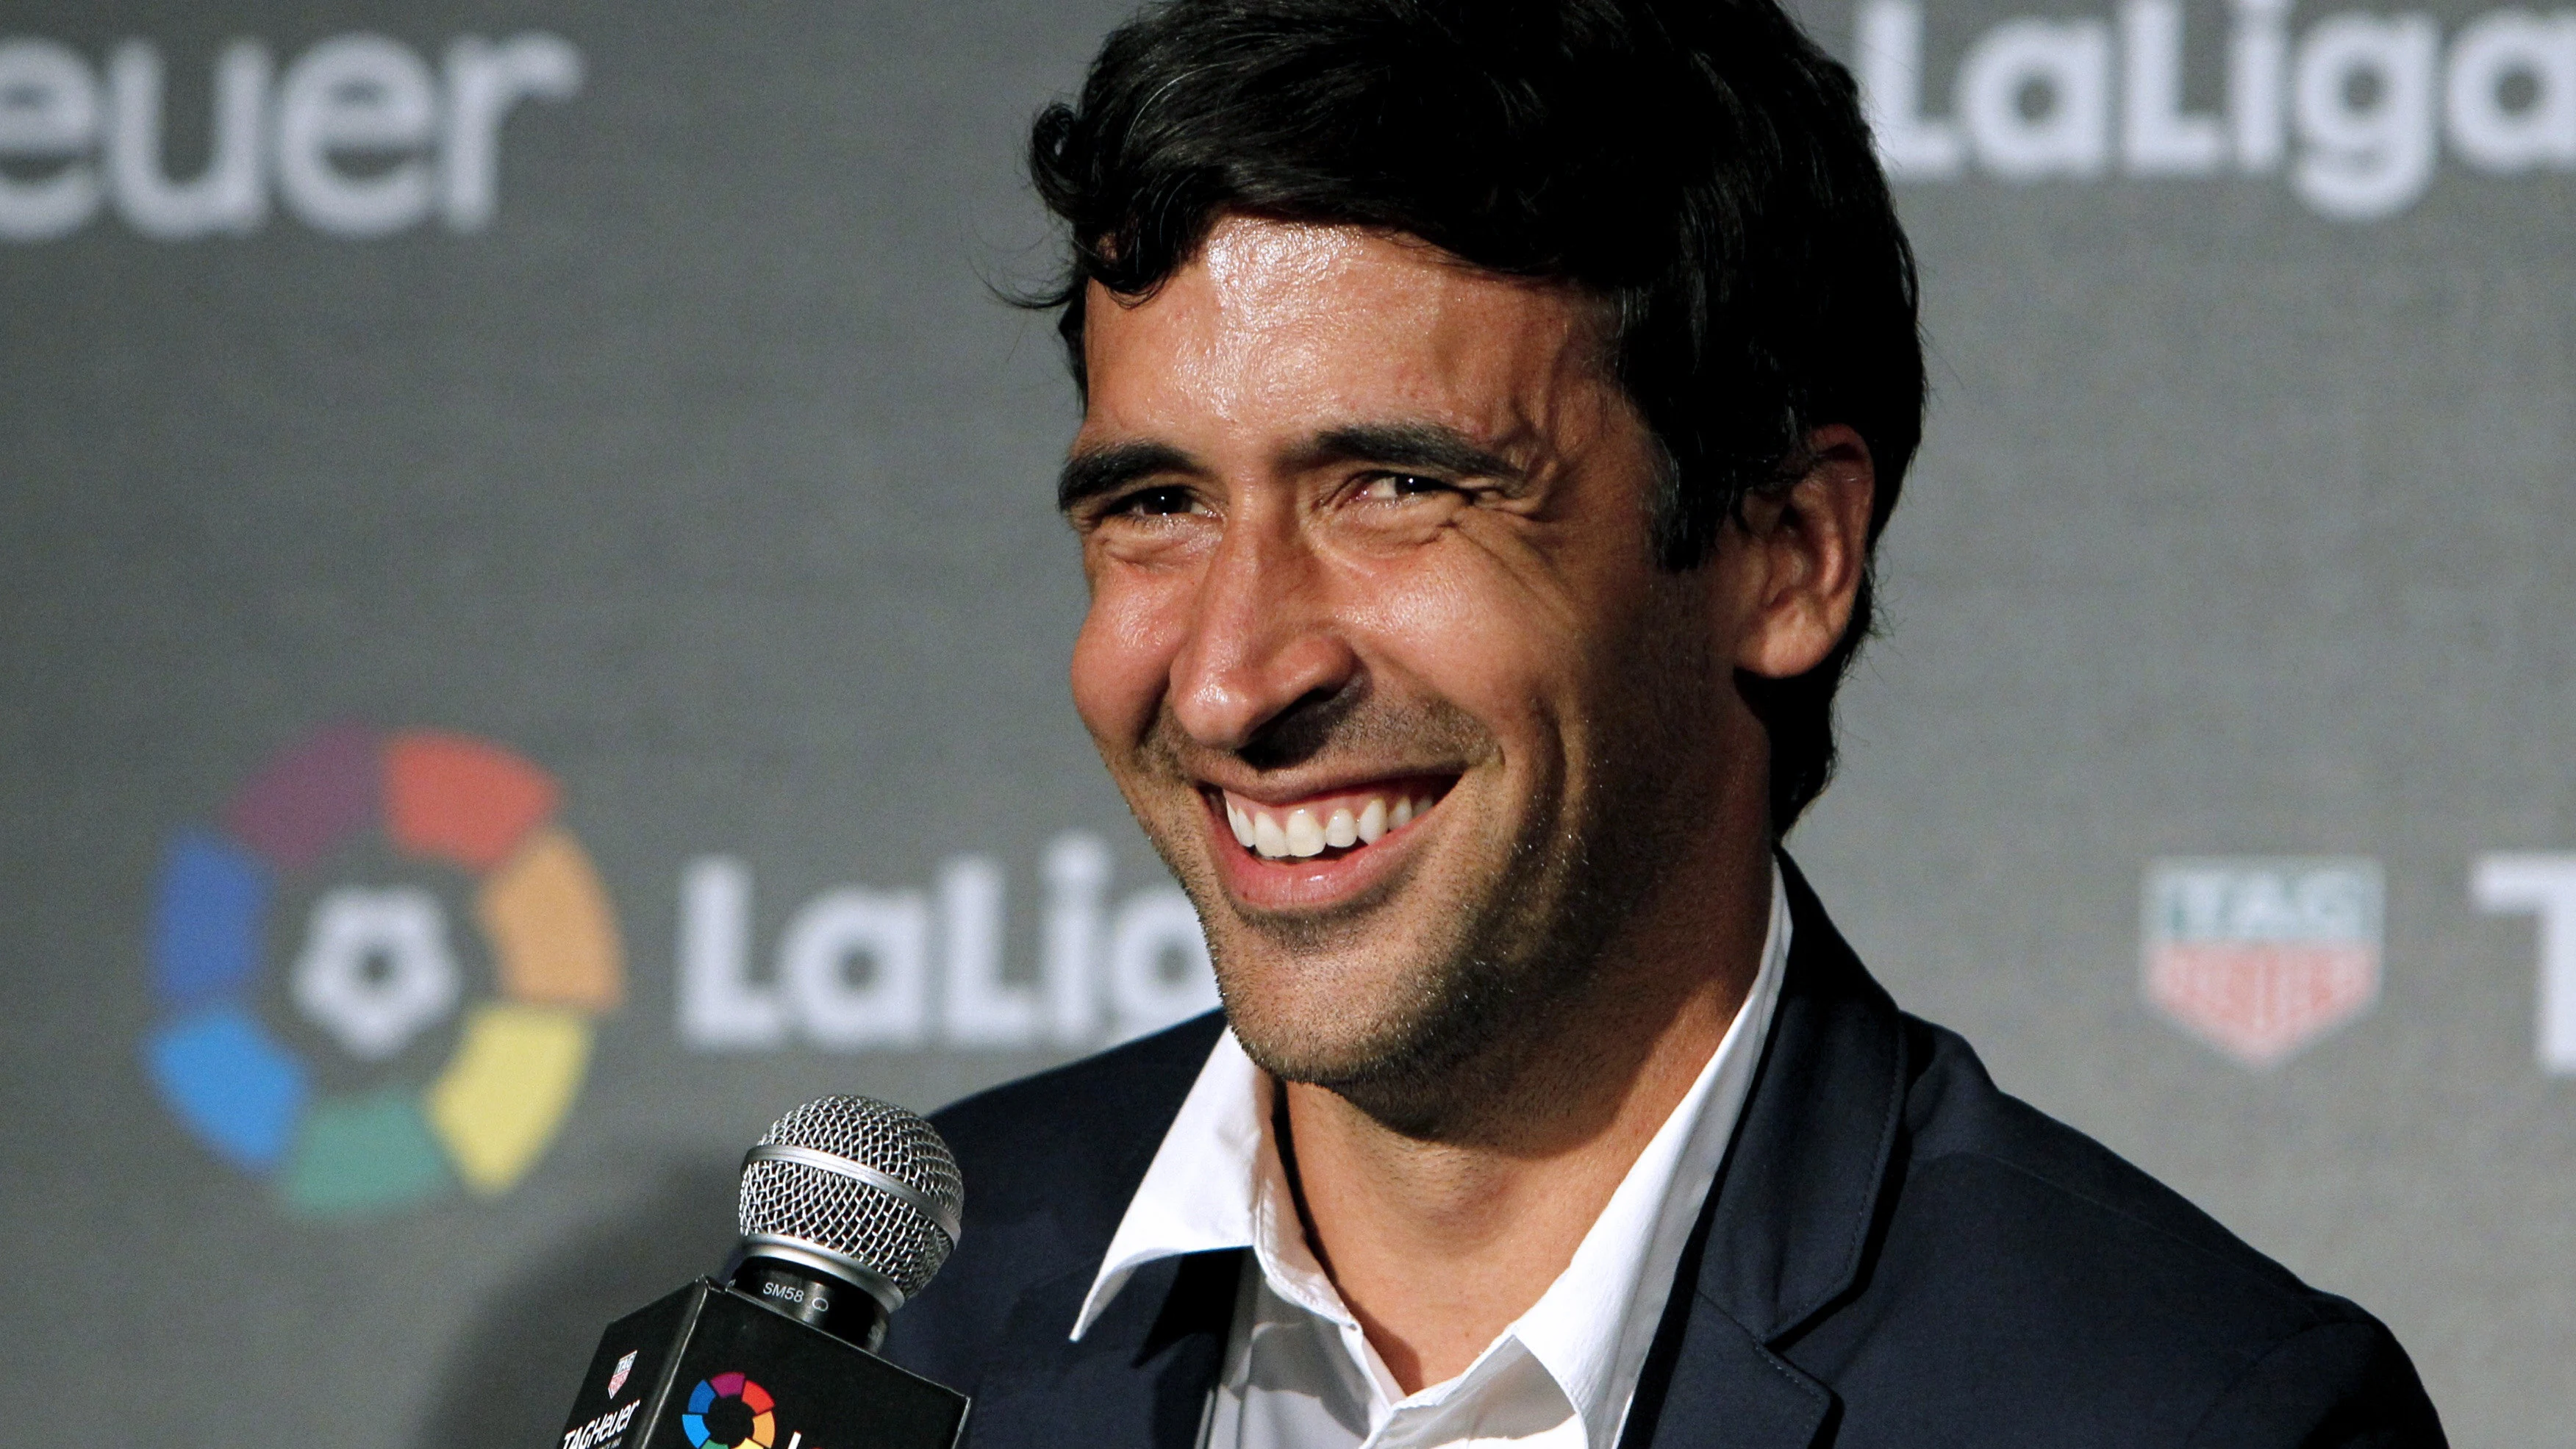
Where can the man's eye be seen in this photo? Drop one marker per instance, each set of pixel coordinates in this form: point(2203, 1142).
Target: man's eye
point(1390, 486)
point(1155, 502)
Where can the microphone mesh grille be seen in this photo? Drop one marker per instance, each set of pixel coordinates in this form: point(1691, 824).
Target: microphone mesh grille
point(839, 1215)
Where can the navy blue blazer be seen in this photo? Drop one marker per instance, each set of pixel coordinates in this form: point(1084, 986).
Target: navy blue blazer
point(1895, 1253)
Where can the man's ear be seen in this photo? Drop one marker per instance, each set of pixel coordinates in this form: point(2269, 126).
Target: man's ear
point(1801, 552)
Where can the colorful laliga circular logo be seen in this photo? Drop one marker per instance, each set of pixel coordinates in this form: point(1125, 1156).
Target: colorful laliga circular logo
point(375, 968)
point(738, 1408)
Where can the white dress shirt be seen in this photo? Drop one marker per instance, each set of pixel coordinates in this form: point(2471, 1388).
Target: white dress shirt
point(1298, 1371)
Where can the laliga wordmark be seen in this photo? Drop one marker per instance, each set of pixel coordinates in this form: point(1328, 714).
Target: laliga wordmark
point(2354, 106)
point(359, 136)
point(860, 967)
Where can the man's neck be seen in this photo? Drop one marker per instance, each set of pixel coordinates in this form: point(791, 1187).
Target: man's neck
point(1437, 1246)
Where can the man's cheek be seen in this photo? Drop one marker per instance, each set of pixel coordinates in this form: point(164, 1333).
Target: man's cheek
point(1462, 613)
point(1496, 666)
point(1122, 663)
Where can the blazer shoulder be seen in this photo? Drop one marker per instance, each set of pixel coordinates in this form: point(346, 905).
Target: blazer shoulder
point(2079, 1298)
point(1958, 1119)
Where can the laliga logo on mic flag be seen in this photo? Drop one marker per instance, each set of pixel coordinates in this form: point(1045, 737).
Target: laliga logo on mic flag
point(376, 969)
point(2261, 958)
point(730, 1412)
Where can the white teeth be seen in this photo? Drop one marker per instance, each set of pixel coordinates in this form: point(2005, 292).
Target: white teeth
point(1305, 837)
point(1341, 830)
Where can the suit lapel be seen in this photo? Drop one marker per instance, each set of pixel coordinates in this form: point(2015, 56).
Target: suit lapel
point(1788, 1221)
point(1140, 1376)
point(1716, 1385)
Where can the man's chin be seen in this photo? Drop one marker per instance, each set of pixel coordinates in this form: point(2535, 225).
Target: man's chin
point(1399, 1042)
point(1309, 1012)
point(1346, 1056)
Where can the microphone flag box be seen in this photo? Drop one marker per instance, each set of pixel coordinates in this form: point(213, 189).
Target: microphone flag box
point(711, 1368)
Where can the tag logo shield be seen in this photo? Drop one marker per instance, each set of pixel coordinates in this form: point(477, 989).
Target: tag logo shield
point(2261, 957)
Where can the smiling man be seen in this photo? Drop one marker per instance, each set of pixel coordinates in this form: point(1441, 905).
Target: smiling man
point(1490, 410)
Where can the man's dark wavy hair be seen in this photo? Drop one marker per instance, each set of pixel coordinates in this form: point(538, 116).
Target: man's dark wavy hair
point(1697, 165)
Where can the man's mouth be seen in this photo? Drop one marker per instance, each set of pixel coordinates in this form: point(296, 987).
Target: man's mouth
point(1337, 823)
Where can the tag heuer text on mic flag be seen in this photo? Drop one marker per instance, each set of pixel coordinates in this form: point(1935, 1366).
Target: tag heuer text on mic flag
point(2261, 956)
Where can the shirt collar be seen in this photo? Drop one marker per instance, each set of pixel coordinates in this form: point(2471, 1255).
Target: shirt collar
point(1215, 1184)
point(1201, 1192)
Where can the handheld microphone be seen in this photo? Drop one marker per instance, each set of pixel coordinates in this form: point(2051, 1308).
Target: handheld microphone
point(848, 1207)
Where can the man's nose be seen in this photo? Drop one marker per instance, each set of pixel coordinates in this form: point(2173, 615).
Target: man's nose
point(1263, 637)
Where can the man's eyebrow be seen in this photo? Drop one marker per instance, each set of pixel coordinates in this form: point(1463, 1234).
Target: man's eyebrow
point(1432, 447)
point(1096, 471)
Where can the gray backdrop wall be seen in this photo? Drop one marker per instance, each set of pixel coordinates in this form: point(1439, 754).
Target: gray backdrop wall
point(531, 640)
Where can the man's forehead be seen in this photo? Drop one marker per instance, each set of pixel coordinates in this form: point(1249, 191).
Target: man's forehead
point(1261, 284)
point(1291, 337)
point(1242, 251)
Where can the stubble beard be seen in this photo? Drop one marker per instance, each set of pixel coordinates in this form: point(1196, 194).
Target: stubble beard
point(1445, 1043)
